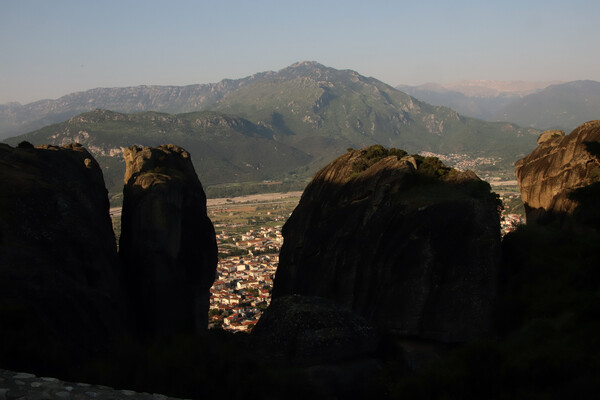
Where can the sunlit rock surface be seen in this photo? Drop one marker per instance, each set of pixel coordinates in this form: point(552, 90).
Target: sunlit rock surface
point(557, 166)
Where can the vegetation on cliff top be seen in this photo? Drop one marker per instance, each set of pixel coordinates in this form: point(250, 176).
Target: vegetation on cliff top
point(431, 171)
point(429, 166)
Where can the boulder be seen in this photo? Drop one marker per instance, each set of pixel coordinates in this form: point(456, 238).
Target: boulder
point(412, 250)
point(559, 165)
point(168, 244)
point(61, 293)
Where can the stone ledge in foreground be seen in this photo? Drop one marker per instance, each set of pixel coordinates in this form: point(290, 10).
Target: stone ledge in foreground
point(22, 385)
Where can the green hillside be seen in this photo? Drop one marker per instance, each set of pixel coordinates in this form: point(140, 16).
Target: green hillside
point(319, 109)
point(223, 148)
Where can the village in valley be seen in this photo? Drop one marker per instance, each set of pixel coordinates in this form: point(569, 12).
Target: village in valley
point(249, 239)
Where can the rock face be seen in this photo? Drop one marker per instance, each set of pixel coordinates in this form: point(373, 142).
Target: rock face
point(61, 296)
point(313, 330)
point(168, 244)
point(557, 166)
point(335, 348)
point(412, 250)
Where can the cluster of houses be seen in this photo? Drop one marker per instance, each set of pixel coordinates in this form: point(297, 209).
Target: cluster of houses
point(263, 240)
point(242, 289)
point(461, 162)
point(510, 222)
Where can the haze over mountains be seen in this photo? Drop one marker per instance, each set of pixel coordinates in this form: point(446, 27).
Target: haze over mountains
point(270, 125)
point(541, 105)
point(563, 106)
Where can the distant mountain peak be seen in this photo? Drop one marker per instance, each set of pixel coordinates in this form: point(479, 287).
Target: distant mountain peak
point(305, 67)
point(482, 88)
point(431, 86)
point(306, 64)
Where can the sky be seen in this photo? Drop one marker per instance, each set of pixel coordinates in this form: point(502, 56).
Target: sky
point(49, 48)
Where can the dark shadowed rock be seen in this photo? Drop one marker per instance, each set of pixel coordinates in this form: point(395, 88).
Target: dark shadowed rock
point(335, 349)
point(413, 251)
point(313, 330)
point(168, 244)
point(61, 297)
point(554, 169)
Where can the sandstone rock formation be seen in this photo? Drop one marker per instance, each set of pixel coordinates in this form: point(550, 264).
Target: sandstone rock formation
point(336, 349)
point(313, 330)
point(168, 244)
point(412, 250)
point(61, 296)
point(555, 168)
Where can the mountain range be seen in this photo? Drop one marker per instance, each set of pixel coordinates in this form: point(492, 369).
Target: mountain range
point(541, 105)
point(265, 126)
point(563, 106)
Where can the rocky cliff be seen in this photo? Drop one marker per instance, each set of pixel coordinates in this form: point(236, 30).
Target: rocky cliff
point(168, 244)
point(60, 286)
point(405, 242)
point(313, 330)
point(554, 169)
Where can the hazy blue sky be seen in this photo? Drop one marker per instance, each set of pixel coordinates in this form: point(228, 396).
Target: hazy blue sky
point(49, 48)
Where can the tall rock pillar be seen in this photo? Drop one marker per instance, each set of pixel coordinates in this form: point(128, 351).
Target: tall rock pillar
point(61, 294)
point(168, 245)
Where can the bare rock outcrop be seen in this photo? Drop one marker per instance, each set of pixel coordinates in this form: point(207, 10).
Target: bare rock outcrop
point(61, 294)
point(554, 169)
point(313, 330)
point(168, 244)
point(412, 250)
point(336, 349)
